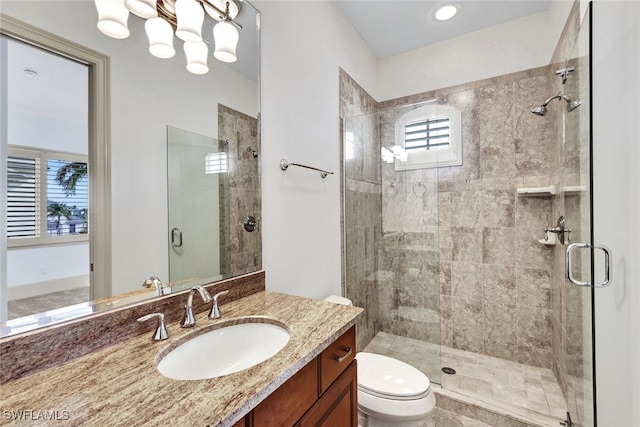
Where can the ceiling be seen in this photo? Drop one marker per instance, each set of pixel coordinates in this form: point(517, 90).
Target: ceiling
point(390, 27)
point(46, 84)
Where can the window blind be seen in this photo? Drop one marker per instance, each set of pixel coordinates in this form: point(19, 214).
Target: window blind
point(426, 134)
point(23, 197)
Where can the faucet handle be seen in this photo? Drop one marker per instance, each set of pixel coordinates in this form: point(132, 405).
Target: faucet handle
point(161, 333)
point(215, 310)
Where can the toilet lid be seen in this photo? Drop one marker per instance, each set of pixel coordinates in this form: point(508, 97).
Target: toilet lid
point(388, 377)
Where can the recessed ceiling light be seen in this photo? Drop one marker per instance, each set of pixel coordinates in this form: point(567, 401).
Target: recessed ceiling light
point(446, 12)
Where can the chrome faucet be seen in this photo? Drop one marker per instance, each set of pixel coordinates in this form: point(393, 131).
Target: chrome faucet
point(161, 332)
point(189, 319)
point(215, 310)
point(155, 282)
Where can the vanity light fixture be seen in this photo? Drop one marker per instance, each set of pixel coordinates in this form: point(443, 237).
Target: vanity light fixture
point(446, 12)
point(182, 17)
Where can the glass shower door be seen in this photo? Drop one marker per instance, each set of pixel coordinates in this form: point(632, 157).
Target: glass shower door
point(196, 164)
point(581, 253)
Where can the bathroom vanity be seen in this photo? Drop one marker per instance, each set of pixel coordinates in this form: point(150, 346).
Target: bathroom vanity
point(311, 381)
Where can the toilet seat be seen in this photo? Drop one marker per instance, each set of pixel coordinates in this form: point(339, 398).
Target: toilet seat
point(389, 378)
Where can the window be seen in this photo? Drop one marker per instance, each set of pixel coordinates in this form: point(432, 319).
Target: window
point(427, 134)
point(47, 197)
point(431, 137)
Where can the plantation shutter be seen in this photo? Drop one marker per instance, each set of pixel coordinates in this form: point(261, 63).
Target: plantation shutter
point(23, 197)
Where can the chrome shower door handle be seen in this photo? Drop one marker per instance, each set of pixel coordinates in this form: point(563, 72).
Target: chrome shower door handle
point(607, 264)
point(176, 232)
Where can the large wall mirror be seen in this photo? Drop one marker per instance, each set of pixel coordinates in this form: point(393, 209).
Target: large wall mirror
point(102, 195)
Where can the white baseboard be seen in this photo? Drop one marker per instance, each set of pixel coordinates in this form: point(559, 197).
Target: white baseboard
point(29, 290)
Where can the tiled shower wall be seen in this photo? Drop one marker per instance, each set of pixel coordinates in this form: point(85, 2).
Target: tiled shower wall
point(458, 255)
point(242, 185)
point(362, 220)
point(494, 276)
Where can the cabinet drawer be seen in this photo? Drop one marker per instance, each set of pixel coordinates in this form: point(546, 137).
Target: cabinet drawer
point(335, 358)
point(290, 401)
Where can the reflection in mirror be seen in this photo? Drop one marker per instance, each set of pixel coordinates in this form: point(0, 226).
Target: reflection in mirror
point(197, 165)
point(145, 94)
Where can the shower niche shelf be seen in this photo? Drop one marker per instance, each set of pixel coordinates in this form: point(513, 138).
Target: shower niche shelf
point(537, 191)
point(551, 190)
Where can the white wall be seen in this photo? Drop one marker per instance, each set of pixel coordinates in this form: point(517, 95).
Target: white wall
point(30, 130)
point(527, 42)
point(303, 46)
point(147, 95)
point(616, 155)
point(43, 263)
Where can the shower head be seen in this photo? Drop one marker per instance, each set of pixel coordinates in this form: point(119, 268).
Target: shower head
point(572, 104)
point(541, 110)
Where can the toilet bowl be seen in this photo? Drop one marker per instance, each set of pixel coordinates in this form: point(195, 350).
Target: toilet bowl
point(391, 393)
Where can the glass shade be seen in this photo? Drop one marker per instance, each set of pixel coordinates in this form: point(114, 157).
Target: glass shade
point(143, 8)
point(160, 36)
point(196, 53)
point(190, 17)
point(112, 18)
point(226, 37)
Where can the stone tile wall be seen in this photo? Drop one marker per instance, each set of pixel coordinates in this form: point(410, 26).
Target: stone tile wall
point(458, 260)
point(362, 220)
point(494, 293)
point(242, 184)
point(500, 292)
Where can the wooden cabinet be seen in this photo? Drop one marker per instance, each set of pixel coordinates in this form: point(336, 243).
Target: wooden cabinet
point(323, 393)
point(290, 401)
point(338, 406)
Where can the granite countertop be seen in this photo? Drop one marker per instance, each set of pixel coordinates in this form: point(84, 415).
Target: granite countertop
point(120, 385)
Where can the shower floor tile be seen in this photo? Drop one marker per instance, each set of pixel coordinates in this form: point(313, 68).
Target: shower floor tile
point(517, 388)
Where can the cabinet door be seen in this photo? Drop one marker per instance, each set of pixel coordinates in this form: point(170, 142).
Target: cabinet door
point(241, 423)
point(290, 401)
point(338, 406)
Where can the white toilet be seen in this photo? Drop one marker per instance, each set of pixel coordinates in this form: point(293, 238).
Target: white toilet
point(391, 393)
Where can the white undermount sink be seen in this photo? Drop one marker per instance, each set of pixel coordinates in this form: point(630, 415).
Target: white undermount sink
point(224, 351)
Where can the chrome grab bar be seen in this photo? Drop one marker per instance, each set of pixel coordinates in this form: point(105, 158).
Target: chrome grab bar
point(607, 265)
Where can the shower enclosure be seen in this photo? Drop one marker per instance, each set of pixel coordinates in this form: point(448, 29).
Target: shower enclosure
point(446, 250)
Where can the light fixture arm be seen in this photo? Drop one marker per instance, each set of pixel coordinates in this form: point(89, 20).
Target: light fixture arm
point(224, 15)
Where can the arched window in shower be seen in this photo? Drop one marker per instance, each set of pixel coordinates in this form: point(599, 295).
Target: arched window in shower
point(431, 137)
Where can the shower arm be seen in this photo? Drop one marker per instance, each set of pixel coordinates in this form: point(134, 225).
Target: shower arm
point(558, 96)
